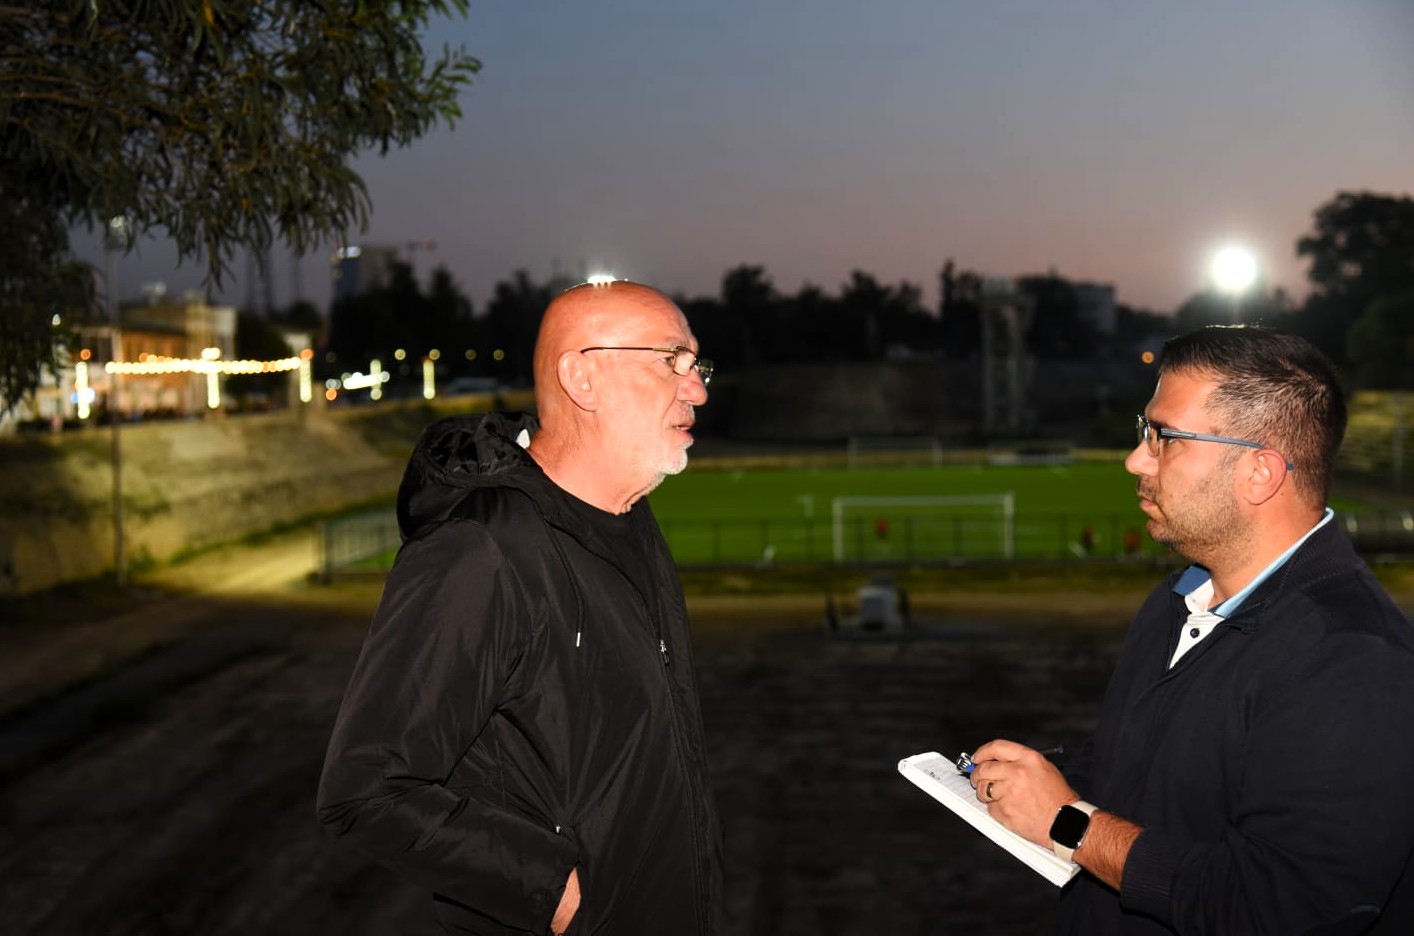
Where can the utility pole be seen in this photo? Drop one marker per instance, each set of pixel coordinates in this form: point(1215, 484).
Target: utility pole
point(118, 236)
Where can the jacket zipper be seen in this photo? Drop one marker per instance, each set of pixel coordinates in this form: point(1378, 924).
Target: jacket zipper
point(696, 822)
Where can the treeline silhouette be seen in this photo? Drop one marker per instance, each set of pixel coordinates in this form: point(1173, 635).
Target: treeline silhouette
point(749, 323)
point(1360, 310)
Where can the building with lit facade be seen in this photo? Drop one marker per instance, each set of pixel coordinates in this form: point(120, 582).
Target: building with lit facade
point(164, 359)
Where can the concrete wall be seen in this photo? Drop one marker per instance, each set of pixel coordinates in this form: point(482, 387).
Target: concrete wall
point(187, 485)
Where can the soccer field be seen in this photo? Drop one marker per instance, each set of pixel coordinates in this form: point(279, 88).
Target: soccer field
point(715, 516)
point(782, 515)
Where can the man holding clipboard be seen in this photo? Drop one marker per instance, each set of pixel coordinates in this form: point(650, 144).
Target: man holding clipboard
point(1253, 769)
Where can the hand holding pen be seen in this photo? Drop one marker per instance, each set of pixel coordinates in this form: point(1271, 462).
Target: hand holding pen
point(1021, 790)
point(965, 764)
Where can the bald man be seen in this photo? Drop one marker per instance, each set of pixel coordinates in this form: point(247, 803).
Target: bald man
point(522, 735)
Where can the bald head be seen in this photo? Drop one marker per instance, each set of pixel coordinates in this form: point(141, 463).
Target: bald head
point(614, 392)
point(593, 315)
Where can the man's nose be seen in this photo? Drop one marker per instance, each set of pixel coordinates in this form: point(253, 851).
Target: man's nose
point(692, 389)
point(1140, 461)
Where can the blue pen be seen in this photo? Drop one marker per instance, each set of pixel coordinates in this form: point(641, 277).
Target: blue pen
point(965, 765)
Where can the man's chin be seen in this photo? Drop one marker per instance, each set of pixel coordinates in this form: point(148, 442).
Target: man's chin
point(1168, 541)
point(677, 464)
point(1158, 534)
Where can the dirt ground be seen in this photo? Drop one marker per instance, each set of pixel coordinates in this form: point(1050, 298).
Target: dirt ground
point(159, 754)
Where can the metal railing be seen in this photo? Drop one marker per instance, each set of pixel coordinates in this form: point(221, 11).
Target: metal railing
point(368, 539)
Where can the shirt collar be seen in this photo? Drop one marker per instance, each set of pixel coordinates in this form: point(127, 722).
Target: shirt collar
point(1196, 575)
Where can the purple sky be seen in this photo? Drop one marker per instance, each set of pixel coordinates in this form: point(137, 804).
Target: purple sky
point(1120, 141)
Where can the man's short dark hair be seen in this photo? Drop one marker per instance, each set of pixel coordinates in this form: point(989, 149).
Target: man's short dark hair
point(1272, 388)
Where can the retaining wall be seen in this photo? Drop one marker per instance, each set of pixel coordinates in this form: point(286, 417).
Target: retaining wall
point(187, 485)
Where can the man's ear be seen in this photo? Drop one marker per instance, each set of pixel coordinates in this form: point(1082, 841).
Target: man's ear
point(1266, 477)
point(574, 380)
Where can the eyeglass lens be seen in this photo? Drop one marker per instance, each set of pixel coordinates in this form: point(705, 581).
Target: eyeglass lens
point(684, 361)
point(1148, 435)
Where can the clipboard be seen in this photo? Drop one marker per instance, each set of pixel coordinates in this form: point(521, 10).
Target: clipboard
point(937, 776)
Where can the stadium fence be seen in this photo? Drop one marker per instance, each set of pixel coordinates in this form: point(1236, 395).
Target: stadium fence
point(366, 539)
point(368, 542)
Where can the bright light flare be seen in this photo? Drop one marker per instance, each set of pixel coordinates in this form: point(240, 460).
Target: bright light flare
point(83, 393)
point(601, 279)
point(1234, 270)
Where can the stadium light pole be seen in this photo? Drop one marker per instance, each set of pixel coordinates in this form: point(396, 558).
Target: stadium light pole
point(1234, 271)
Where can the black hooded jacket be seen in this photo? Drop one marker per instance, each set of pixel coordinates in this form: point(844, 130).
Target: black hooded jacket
point(525, 704)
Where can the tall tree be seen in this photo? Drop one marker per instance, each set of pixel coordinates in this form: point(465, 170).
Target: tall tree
point(513, 319)
point(452, 325)
point(749, 302)
point(224, 123)
point(258, 339)
point(1381, 344)
point(716, 338)
point(810, 322)
point(1134, 325)
point(1361, 250)
point(1210, 307)
point(879, 319)
point(961, 313)
point(379, 322)
point(1058, 329)
point(303, 315)
point(43, 290)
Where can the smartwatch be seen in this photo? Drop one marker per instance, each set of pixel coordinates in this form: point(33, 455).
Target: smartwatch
point(1069, 827)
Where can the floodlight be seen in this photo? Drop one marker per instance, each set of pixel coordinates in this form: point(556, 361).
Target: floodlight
point(1234, 270)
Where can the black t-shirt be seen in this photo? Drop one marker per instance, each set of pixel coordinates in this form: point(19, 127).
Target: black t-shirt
point(631, 540)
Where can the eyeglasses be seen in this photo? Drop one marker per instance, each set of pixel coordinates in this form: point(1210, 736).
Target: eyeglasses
point(682, 360)
point(1152, 436)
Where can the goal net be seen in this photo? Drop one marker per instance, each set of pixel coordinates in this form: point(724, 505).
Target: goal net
point(883, 529)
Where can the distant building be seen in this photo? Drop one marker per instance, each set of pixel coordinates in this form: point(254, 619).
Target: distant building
point(147, 332)
point(178, 330)
point(356, 269)
point(1096, 303)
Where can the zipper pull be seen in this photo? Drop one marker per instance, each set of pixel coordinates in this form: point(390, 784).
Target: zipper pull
point(663, 649)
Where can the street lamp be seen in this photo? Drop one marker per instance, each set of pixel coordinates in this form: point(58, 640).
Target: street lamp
point(1234, 270)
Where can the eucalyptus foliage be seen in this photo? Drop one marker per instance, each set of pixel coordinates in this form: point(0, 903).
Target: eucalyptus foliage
point(223, 124)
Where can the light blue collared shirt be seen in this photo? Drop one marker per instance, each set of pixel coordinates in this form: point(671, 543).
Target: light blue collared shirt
point(1196, 581)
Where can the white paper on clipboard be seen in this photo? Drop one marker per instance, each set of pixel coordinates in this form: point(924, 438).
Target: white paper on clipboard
point(938, 776)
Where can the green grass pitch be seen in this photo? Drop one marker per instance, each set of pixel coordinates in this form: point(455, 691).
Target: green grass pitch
point(714, 516)
point(783, 515)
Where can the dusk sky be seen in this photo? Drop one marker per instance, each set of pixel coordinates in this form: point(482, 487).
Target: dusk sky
point(1118, 142)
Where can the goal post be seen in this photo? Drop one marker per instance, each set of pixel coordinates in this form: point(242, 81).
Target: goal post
point(881, 529)
point(865, 451)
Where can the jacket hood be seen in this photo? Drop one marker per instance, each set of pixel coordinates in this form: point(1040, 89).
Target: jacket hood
point(462, 453)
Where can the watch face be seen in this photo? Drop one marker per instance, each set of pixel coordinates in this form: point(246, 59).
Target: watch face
point(1069, 826)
